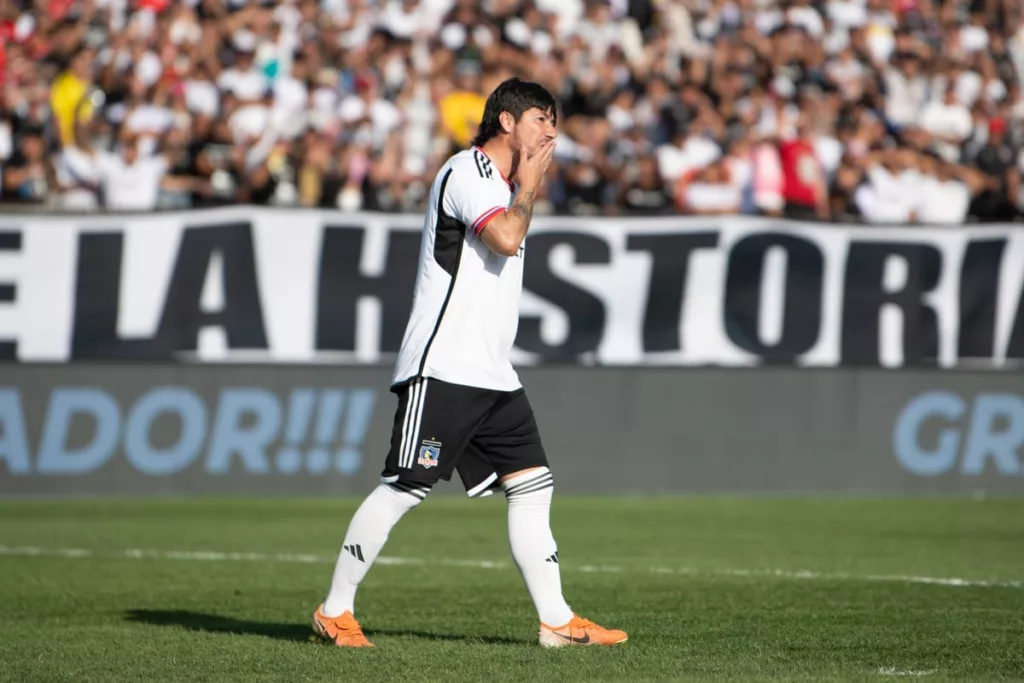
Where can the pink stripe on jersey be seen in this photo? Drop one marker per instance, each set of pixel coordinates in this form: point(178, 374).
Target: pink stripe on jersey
point(486, 218)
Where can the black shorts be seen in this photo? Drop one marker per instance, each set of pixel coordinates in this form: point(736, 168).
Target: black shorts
point(442, 427)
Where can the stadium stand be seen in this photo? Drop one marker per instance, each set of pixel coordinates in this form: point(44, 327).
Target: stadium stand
point(881, 111)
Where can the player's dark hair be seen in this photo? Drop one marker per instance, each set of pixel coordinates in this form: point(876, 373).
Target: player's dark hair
point(515, 96)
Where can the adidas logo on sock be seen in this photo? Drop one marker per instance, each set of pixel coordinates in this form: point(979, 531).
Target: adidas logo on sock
point(553, 558)
point(356, 550)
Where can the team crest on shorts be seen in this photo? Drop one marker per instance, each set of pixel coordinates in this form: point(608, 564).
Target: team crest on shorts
point(430, 451)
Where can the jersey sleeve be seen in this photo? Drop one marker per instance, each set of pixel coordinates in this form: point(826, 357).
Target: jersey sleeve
point(474, 199)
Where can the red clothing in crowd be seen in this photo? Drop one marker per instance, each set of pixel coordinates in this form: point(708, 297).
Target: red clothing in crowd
point(801, 173)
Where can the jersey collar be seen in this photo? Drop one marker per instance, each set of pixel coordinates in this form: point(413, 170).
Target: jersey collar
point(511, 185)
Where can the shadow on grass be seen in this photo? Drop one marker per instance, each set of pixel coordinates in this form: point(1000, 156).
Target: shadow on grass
point(213, 623)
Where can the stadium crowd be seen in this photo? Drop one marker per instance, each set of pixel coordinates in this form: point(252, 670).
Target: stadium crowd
point(880, 111)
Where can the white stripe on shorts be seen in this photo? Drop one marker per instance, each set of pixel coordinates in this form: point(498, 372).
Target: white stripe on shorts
point(411, 426)
point(482, 486)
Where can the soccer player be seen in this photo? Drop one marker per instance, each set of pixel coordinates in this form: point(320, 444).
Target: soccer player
point(461, 406)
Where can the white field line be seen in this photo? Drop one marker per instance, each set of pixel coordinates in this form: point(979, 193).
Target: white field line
point(893, 671)
point(300, 558)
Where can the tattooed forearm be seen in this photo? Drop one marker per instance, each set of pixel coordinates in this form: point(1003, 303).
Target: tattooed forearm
point(523, 206)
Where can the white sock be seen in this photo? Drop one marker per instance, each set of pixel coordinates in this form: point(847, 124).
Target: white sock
point(367, 533)
point(533, 547)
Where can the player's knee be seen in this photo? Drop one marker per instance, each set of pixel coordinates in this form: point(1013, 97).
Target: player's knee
point(525, 472)
point(411, 493)
point(535, 482)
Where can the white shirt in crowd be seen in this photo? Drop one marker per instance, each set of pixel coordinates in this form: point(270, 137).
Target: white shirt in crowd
point(847, 72)
point(420, 118)
point(951, 122)
point(905, 96)
point(79, 175)
point(943, 202)
point(569, 12)
point(149, 118)
point(400, 22)
point(829, 152)
point(974, 38)
point(249, 122)
point(131, 187)
point(384, 116)
point(911, 195)
point(706, 197)
point(201, 97)
point(847, 14)
point(887, 197)
point(808, 18)
point(247, 85)
point(599, 37)
point(288, 114)
point(696, 152)
point(149, 68)
point(6, 140)
point(881, 35)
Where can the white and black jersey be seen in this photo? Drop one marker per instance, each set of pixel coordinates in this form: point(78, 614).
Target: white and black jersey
point(465, 310)
point(461, 406)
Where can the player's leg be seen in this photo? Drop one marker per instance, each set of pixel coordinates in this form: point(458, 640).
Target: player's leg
point(433, 422)
point(369, 528)
point(507, 453)
point(367, 533)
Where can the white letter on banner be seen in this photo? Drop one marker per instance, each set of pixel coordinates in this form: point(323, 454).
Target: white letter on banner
point(891, 324)
point(834, 243)
point(773, 295)
point(287, 266)
point(212, 342)
point(1011, 295)
point(705, 339)
point(945, 298)
point(150, 247)
point(45, 283)
point(369, 315)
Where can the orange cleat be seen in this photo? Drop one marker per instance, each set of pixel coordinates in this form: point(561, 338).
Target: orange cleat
point(579, 631)
point(343, 630)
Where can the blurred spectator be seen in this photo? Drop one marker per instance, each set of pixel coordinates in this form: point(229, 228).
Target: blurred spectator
point(948, 122)
point(712, 192)
point(68, 93)
point(996, 159)
point(803, 175)
point(26, 176)
point(463, 106)
point(131, 178)
point(643, 191)
point(854, 110)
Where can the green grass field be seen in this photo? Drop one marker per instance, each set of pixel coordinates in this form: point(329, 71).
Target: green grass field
point(709, 588)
